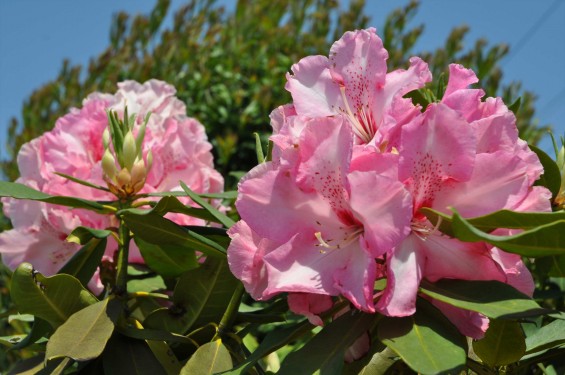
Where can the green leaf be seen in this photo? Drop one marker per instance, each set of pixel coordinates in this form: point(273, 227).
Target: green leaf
point(20, 191)
point(209, 359)
point(551, 177)
point(259, 148)
point(82, 182)
point(502, 345)
point(82, 235)
point(127, 356)
point(167, 260)
point(552, 266)
point(146, 284)
point(547, 337)
point(232, 194)
point(544, 240)
point(514, 107)
point(155, 229)
point(491, 298)
point(325, 352)
point(222, 218)
point(84, 263)
point(499, 219)
point(380, 362)
point(53, 299)
point(426, 341)
point(274, 340)
point(85, 334)
point(202, 295)
point(171, 204)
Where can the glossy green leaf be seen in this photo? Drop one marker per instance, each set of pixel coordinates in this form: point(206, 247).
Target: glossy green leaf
point(210, 358)
point(325, 351)
point(201, 296)
point(426, 341)
point(82, 235)
point(84, 263)
point(171, 204)
point(551, 177)
point(127, 356)
point(544, 240)
point(222, 218)
point(502, 345)
point(273, 341)
point(259, 148)
point(491, 298)
point(167, 260)
point(20, 191)
point(380, 362)
point(232, 194)
point(85, 334)
point(499, 219)
point(53, 299)
point(146, 284)
point(158, 230)
point(547, 337)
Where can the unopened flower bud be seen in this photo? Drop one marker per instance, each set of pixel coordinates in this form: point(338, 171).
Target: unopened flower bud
point(129, 150)
point(138, 173)
point(106, 138)
point(149, 160)
point(109, 165)
point(123, 178)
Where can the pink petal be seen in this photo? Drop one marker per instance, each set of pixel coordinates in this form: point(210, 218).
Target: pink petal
point(384, 207)
point(440, 149)
point(469, 323)
point(309, 305)
point(459, 78)
point(498, 181)
point(404, 271)
point(313, 91)
point(245, 258)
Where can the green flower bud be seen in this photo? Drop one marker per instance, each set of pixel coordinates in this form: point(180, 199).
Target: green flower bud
point(109, 165)
point(129, 153)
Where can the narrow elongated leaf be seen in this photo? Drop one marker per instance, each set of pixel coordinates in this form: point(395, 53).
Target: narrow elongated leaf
point(259, 148)
point(84, 263)
point(380, 362)
point(551, 177)
point(325, 352)
point(171, 204)
point(53, 299)
point(499, 219)
point(232, 194)
point(273, 340)
point(544, 240)
point(167, 260)
point(426, 341)
point(85, 334)
point(127, 356)
point(491, 298)
point(20, 191)
point(210, 358)
point(158, 230)
point(226, 221)
point(547, 337)
point(502, 345)
point(201, 295)
point(82, 235)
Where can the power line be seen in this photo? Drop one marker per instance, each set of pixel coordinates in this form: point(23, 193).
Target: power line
point(531, 31)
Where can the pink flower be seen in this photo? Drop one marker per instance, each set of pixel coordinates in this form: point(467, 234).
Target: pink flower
point(354, 82)
point(74, 147)
point(444, 163)
point(312, 225)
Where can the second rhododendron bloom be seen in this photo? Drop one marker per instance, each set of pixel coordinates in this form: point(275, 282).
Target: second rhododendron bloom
point(312, 225)
point(76, 146)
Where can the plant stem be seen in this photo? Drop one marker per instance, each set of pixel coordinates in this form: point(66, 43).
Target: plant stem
point(123, 255)
point(231, 312)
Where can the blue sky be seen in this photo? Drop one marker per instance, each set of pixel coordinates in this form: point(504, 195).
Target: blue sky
point(36, 35)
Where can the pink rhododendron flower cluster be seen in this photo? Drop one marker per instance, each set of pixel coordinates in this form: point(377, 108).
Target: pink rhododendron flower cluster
point(75, 147)
point(339, 206)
